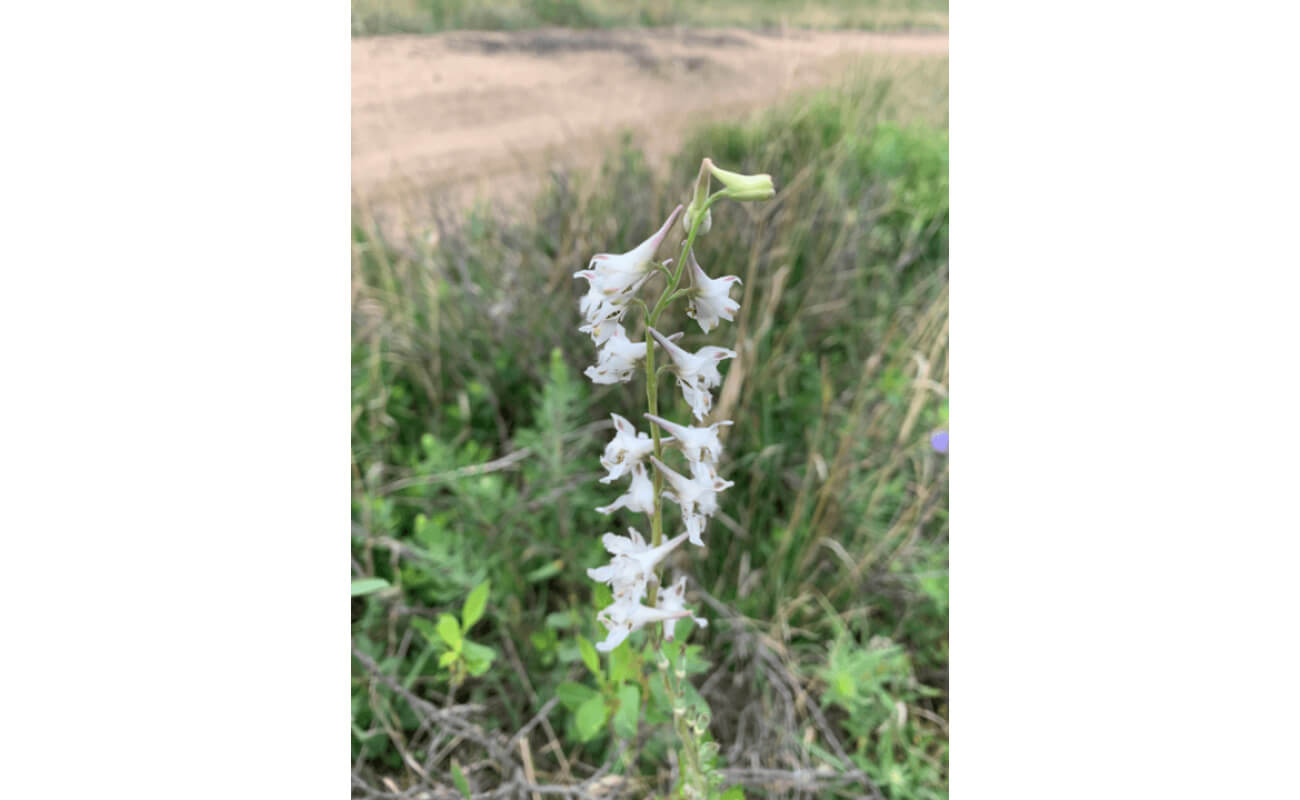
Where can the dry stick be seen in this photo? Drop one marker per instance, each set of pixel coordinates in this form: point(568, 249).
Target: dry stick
point(541, 715)
point(448, 717)
point(528, 764)
point(495, 465)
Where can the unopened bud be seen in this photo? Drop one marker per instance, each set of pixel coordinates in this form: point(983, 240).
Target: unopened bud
point(696, 207)
point(744, 187)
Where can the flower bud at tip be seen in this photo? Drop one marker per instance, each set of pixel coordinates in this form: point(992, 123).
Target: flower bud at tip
point(744, 187)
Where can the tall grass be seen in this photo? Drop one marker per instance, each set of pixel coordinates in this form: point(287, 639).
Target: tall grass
point(370, 17)
point(826, 570)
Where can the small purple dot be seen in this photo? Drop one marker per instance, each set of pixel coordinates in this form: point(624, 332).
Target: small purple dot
point(939, 442)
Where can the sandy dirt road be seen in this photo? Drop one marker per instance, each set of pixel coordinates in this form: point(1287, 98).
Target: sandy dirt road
point(455, 115)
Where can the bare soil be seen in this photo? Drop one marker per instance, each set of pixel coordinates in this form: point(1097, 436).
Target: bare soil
point(456, 115)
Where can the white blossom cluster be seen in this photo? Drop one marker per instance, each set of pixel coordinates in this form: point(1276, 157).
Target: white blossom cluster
point(613, 281)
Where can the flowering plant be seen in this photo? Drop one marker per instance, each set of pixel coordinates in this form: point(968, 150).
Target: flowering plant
point(640, 599)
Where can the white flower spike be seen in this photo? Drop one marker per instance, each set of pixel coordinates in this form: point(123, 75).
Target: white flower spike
point(696, 372)
point(708, 301)
point(633, 564)
point(697, 444)
point(640, 496)
point(623, 617)
point(697, 496)
point(625, 450)
point(673, 599)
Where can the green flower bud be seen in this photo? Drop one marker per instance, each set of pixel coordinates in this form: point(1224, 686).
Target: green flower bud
point(698, 199)
point(744, 187)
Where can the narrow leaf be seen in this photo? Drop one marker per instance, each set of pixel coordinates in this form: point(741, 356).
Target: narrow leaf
point(459, 778)
point(474, 605)
point(368, 586)
point(589, 656)
point(629, 710)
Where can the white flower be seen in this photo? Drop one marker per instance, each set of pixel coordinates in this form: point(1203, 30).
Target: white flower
point(640, 496)
point(613, 279)
point(632, 565)
point(626, 449)
point(673, 599)
point(601, 330)
point(617, 359)
point(697, 444)
point(696, 372)
point(623, 617)
point(700, 400)
point(697, 496)
point(709, 301)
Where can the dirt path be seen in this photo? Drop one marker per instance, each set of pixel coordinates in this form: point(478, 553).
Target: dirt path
point(457, 114)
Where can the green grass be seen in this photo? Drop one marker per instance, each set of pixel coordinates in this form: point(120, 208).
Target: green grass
point(371, 17)
point(476, 439)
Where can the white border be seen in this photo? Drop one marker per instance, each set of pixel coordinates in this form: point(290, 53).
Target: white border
point(176, 278)
point(1124, 282)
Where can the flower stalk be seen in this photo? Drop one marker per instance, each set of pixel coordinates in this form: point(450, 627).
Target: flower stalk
point(613, 283)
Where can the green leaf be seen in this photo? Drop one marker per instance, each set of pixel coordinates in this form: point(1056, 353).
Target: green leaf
point(589, 656)
point(560, 620)
point(629, 709)
point(447, 658)
point(459, 778)
point(573, 694)
point(620, 663)
point(734, 793)
point(449, 630)
point(547, 570)
point(591, 717)
point(368, 586)
point(478, 657)
point(474, 605)
point(426, 628)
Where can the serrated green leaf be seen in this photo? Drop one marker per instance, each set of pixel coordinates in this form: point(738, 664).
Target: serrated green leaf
point(449, 630)
point(474, 606)
point(365, 586)
point(591, 717)
point(459, 778)
point(734, 793)
point(589, 656)
point(629, 709)
point(447, 658)
point(573, 694)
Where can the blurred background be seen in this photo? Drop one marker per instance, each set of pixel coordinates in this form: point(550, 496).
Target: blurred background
point(496, 146)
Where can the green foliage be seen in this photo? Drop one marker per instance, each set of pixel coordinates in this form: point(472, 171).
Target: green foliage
point(368, 586)
point(370, 17)
point(475, 445)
